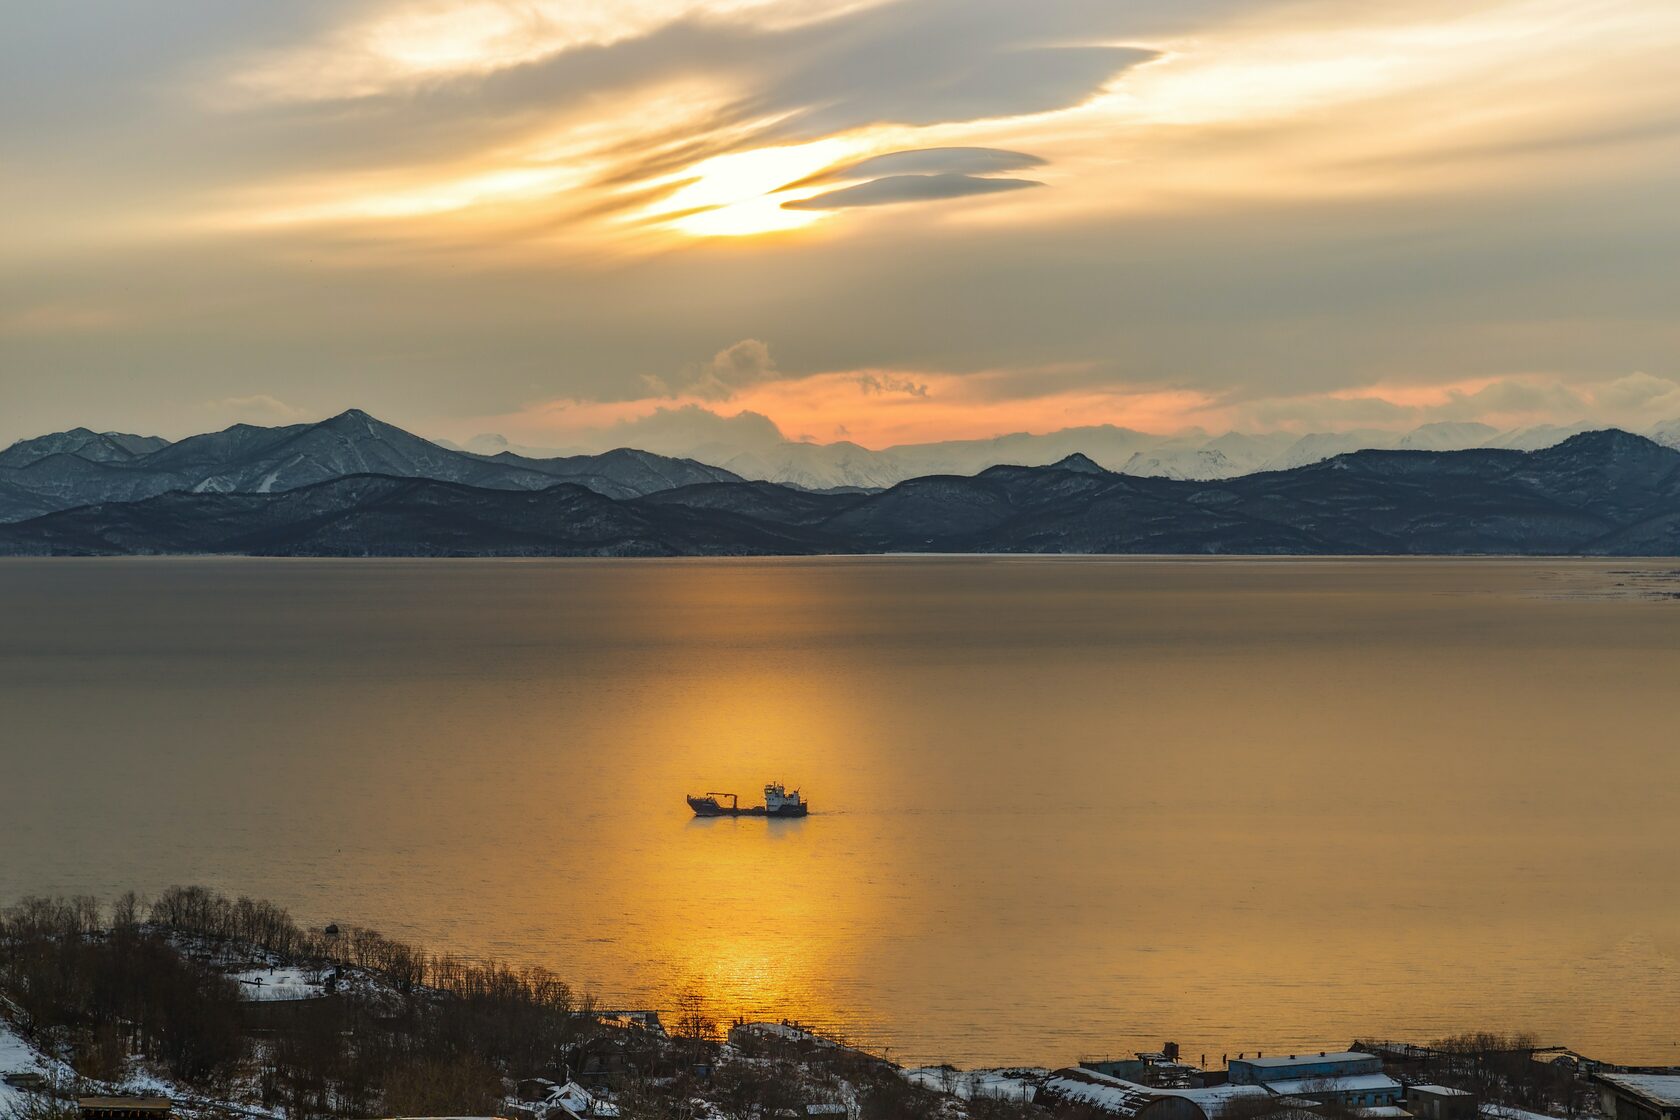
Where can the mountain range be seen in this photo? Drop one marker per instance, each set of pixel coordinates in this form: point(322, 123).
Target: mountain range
point(81, 467)
point(353, 486)
point(758, 450)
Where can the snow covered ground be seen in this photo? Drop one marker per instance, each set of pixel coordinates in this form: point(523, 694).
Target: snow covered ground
point(1506, 1112)
point(288, 982)
point(1017, 1084)
point(17, 1056)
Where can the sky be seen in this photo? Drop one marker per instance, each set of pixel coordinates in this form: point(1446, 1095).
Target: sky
point(574, 222)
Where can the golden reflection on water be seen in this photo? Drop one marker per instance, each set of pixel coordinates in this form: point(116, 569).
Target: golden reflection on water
point(1061, 806)
point(766, 905)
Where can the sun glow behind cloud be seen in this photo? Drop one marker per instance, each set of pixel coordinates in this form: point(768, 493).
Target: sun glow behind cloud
point(1134, 146)
point(741, 193)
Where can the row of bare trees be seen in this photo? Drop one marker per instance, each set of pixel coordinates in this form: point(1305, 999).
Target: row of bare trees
point(415, 1032)
point(1504, 1069)
point(102, 991)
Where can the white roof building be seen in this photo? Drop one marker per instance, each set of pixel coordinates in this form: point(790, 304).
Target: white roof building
point(1640, 1096)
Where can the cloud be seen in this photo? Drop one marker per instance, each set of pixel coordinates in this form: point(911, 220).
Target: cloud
point(1511, 398)
point(259, 408)
point(681, 84)
point(692, 422)
point(1327, 411)
point(402, 47)
point(1638, 391)
point(908, 188)
point(925, 161)
point(1217, 225)
point(731, 369)
point(889, 383)
point(1633, 401)
point(685, 430)
point(949, 61)
point(830, 69)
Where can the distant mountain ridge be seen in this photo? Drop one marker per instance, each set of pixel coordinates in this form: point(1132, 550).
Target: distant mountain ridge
point(1195, 456)
point(80, 467)
point(1599, 493)
point(102, 447)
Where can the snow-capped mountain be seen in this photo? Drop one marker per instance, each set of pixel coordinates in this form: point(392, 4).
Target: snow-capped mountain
point(1196, 456)
point(53, 473)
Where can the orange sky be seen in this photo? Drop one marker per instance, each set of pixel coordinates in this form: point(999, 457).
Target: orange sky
point(546, 214)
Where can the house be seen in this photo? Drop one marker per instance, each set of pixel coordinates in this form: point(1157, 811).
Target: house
point(124, 1108)
point(1639, 1096)
point(1347, 1077)
point(1438, 1102)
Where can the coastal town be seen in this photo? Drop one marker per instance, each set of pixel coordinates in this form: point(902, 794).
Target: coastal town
point(196, 1007)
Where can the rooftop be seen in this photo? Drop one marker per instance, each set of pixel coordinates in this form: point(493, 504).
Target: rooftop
point(1098, 1091)
point(1124, 1098)
point(1438, 1090)
point(1356, 1083)
point(1662, 1089)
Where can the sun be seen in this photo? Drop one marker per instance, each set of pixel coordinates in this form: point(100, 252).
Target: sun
point(740, 194)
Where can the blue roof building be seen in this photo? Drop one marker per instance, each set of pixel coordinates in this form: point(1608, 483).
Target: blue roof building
point(1347, 1077)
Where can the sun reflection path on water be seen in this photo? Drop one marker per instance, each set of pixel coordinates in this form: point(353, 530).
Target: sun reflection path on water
point(752, 913)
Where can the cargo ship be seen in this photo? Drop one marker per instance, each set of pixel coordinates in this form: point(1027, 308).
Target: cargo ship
point(778, 802)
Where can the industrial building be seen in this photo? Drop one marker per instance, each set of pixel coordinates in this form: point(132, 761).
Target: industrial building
point(1078, 1089)
point(1348, 1077)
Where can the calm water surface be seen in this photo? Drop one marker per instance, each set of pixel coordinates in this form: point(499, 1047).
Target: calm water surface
point(1063, 807)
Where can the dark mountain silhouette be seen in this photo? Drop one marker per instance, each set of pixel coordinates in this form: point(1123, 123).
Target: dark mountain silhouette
point(77, 468)
point(102, 447)
point(369, 515)
point(1606, 493)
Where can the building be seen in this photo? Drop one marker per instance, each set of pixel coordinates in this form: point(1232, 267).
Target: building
point(1300, 1067)
point(1159, 1069)
point(1639, 1096)
point(1348, 1077)
point(1077, 1089)
point(1437, 1102)
point(124, 1108)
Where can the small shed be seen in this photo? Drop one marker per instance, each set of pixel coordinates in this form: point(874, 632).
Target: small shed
point(1439, 1102)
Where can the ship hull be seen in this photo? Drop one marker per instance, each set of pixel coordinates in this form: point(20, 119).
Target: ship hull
point(707, 807)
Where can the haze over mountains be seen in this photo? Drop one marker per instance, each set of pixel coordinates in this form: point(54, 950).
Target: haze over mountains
point(759, 451)
point(354, 486)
